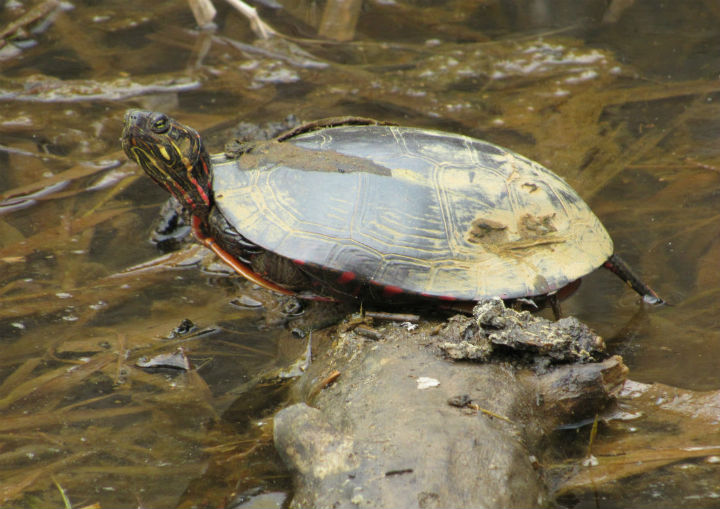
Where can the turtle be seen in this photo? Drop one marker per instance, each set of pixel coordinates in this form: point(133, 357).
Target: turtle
point(357, 209)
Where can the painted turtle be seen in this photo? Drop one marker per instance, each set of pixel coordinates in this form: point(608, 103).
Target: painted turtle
point(354, 208)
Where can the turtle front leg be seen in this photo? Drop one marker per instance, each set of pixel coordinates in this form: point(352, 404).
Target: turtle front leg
point(624, 272)
point(233, 262)
point(227, 235)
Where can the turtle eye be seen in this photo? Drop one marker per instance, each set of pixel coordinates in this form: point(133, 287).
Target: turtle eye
point(160, 124)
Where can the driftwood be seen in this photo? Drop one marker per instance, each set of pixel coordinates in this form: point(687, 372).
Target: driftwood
point(403, 425)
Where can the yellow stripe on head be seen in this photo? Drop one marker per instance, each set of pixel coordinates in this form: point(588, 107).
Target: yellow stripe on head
point(164, 152)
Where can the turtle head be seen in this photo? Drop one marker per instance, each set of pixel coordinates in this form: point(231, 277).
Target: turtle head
point(172, 154)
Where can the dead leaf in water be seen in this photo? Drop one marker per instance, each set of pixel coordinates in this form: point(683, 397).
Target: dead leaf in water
point(177, 360)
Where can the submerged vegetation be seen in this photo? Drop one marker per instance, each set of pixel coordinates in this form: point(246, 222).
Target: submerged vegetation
point(624, 104)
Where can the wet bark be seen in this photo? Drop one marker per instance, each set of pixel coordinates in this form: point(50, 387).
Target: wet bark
point(475, 437)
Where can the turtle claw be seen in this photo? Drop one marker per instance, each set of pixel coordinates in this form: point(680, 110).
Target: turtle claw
point(653, 300)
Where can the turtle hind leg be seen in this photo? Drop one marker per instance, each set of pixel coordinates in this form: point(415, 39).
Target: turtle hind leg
point(624, 272)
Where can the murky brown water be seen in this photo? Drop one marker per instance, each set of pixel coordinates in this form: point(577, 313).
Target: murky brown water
point(622, 101)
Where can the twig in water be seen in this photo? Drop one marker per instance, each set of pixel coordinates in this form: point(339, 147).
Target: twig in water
point(261, 28)
point(204, 12)
point(31, 16)
point(395, 317)
point(66, 500)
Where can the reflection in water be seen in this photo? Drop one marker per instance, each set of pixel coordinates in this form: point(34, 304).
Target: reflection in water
point(620, 100)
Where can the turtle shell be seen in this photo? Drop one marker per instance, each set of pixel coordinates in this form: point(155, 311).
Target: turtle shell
point(426, 212)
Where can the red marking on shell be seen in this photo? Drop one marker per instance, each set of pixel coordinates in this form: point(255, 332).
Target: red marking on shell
point(447, 298)
point(299, 262)
point(567, 290)
point(346, 277)
point(389, 291)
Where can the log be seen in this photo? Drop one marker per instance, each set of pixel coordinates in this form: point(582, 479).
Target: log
point(406, 425)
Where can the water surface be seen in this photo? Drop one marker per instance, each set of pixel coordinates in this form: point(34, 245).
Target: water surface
point(621, 100)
